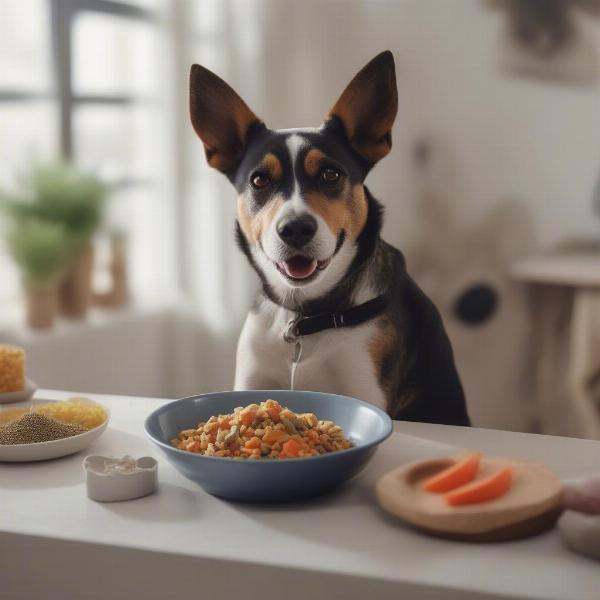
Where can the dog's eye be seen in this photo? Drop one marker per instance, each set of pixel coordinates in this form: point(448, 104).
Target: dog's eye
point(260, 181)
point(330, 175)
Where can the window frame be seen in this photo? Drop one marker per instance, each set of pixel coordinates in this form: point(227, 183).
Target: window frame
point(62, 16)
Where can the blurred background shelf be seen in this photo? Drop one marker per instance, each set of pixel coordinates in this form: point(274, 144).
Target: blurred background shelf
point(569, 270)
point(128, 349)
point(565, 311)
point(160, 349)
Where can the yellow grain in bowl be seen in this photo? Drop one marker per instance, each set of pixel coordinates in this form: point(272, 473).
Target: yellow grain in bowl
point(10, 414)
point(79, 411)
point(12, 369)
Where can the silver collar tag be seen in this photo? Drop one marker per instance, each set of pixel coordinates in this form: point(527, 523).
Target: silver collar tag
point(290, 333)
point(295, 361)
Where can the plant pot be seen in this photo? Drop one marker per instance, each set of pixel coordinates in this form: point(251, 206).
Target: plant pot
point(75, 292)
point(119, 271)
point(41, 304)
point(118, 295)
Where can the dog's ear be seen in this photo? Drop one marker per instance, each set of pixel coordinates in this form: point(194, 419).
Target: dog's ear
point(220, 117)
point(367, 108)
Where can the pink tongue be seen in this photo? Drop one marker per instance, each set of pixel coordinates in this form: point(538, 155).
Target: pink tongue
point(300, 267)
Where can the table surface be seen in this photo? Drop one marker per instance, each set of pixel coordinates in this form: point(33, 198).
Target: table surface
point(343, 534)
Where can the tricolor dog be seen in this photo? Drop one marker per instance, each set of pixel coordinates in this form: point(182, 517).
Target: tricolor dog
point(338, 311)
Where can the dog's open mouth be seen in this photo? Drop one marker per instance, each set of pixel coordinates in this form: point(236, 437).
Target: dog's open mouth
point(301, 267)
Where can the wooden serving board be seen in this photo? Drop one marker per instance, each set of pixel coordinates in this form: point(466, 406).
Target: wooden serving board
point(531, 506)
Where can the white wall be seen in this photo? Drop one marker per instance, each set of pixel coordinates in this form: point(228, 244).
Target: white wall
point(515, 138)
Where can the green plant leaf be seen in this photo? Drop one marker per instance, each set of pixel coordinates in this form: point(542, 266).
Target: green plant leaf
point(53, 214)
point(40, 248)
point(59, 193)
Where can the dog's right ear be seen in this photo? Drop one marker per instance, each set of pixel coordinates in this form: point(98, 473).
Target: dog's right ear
point(220, 117)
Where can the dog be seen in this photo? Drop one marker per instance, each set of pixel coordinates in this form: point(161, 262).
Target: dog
point(337, 311)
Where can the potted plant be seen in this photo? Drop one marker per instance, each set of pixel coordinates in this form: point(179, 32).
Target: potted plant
point(59, 194)
point(42, 251)
point(118, 293)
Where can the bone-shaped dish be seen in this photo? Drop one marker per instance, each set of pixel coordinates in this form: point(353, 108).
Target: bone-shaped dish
point(112, 479)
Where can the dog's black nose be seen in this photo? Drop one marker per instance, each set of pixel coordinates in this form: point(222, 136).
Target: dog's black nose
point(297, 231)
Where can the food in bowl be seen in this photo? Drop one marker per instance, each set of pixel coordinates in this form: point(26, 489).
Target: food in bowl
point(33, 428)
point(265, 430)
point(271, 480)
point(76, 411)
point(12, 369)
point(79, 411)
point(50, 421)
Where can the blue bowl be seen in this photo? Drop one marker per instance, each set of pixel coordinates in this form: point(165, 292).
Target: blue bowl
point(271, 480)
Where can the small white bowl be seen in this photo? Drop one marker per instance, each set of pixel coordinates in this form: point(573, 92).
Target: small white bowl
point(23, 396)
point(53, 448)
point(115, 486)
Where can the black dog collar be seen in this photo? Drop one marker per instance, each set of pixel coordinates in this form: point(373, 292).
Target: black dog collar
point(301, 326)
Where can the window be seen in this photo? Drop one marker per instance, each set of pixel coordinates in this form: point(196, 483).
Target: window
point(88, 80)
point(28, 120)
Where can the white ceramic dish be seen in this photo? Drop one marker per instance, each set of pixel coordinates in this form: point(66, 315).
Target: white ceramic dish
point(23, 396)
point(104, 486)
point(53, 449)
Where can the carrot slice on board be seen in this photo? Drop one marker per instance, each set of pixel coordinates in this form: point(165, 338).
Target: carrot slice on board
point(492, 487)
point(458, 474)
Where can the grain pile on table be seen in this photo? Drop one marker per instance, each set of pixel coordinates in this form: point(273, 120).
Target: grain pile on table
point(12, 369)
point(32, 428)
point(265, 430)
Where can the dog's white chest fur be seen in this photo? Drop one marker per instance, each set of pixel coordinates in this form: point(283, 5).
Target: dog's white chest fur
point(334, 360)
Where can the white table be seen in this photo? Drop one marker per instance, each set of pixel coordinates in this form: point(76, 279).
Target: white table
point(183, 543)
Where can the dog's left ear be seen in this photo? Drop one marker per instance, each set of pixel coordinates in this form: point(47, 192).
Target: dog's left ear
point(367, 108)
point(220, 117)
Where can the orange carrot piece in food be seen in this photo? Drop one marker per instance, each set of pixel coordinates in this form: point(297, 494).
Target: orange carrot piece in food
point(247, 416)
point(312, 435)
point(292, 447)
point(492, 487)
point(253, 443)
point(224, 423)
point(273, 412)
point(193, 446)
point(460, 473)
point(273, 436)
